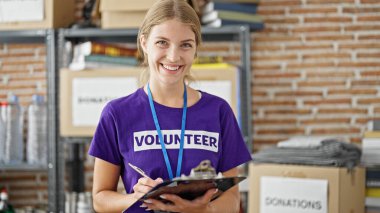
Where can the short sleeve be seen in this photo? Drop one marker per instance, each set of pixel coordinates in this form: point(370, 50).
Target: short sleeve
point(104, 144)
point(234, 150)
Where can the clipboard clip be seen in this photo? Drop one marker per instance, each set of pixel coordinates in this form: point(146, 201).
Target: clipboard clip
point(203, 171)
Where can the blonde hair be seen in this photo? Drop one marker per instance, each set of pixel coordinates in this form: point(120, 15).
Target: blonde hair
point(161, 11)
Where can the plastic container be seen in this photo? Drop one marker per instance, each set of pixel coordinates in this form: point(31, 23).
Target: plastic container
point(36, 146)
point(3, 106)
point(14, 146)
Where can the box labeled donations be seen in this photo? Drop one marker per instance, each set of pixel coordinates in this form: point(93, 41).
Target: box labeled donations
point(285, 188)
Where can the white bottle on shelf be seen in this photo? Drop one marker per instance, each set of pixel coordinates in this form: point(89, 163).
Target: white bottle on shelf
point(14, 146)
point(36, 148)
point(3, 106)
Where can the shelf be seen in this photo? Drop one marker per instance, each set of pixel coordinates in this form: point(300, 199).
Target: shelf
point(23, 167)
point(226, 33)
point(24, 36)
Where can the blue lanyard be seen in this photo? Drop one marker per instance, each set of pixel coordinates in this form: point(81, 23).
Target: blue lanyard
point(163, 148)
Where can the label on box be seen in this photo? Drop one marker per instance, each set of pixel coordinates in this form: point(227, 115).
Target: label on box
point(293, 195)
point(21, 10)
point(90, 95)
point(219, 88)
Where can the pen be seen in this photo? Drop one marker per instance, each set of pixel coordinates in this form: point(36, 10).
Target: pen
point(138, 170)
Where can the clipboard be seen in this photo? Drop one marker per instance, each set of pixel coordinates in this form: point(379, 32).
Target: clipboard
point(190, 189)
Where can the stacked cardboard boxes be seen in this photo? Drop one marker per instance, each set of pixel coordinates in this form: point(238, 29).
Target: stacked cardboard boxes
point(123, 13)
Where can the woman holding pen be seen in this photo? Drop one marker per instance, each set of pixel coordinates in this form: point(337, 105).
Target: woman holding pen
point(165, 128)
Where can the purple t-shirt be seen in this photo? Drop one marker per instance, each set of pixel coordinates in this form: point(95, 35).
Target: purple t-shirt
point(126, 134)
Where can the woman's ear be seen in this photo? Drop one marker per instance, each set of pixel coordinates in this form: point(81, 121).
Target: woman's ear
point(143, 42)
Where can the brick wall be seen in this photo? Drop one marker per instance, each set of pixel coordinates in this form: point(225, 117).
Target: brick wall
point(316, 69)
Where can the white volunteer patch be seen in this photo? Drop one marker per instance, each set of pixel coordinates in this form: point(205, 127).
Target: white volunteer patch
point(148, 140)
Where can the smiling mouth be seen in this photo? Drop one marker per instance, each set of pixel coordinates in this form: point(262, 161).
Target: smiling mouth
point(171, 68)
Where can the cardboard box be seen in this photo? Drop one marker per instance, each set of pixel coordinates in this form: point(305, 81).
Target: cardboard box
point(125, 5)
point(57, 13)
point(121, 19)
point(83, 94)
point(345, 190)
point(218, 79)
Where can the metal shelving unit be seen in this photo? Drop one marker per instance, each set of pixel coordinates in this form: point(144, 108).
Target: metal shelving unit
point(48, 37)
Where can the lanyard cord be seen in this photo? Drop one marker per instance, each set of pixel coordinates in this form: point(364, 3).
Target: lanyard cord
point(183, 125)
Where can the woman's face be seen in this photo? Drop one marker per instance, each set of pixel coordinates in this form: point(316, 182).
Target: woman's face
point(170, 50)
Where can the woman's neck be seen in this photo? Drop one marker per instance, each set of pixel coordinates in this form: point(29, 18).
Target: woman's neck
point(171, 96)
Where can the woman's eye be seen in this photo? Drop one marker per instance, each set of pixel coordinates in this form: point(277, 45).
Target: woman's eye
point(187, 45)
point(161, 43)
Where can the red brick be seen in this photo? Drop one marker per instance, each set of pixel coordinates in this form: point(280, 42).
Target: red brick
point(360, 46)
point(259, 94)
point(280, 3)
point(257, 84)
point(369, 37)
point(329, 37)
point(292, 112)
point(369, 101)
point(263, 47)
point(274, 57)
point(371, 82)
point(361, 28)
point(329, 74)
point(281, 131)
point(270, 11)
point(375, 73)
point(309, 46)
point(260, 103)
point(329, 1)
point(259, 66)
point(314, 56)
point(313, 10)
point(316, 29)
point(337, 111)
point(322, 83)
point(364, 121)
point(369, 1)
point(275, 38)
point(266, 121)
point(334, 131)
point(359, 64)
point(368, 18)
point(318, 121)
point(271, 20)
point(352, 92)
point(327, 19)
point(368, 55)
point(299, 93)
point(277, 75)
point(377, 110)
point(311, 65)
point(341, 101)
point(360, 10)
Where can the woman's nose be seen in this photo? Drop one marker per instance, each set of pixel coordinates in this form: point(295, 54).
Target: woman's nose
point(173, 54)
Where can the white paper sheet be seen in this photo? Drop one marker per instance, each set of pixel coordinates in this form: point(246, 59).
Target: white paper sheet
point(293, 195)
point(90, 95)
point(21, 10)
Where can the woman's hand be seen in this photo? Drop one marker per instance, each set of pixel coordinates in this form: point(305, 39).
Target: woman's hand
point(144, 185)
point(177, 204)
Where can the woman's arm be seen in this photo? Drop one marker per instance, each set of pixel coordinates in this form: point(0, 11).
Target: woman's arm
point(104, 190)
point(229, 201)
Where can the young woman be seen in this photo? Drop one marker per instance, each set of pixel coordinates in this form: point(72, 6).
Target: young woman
point(165, 128)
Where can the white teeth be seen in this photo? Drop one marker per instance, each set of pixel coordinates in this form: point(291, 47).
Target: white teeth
point(171, 68)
